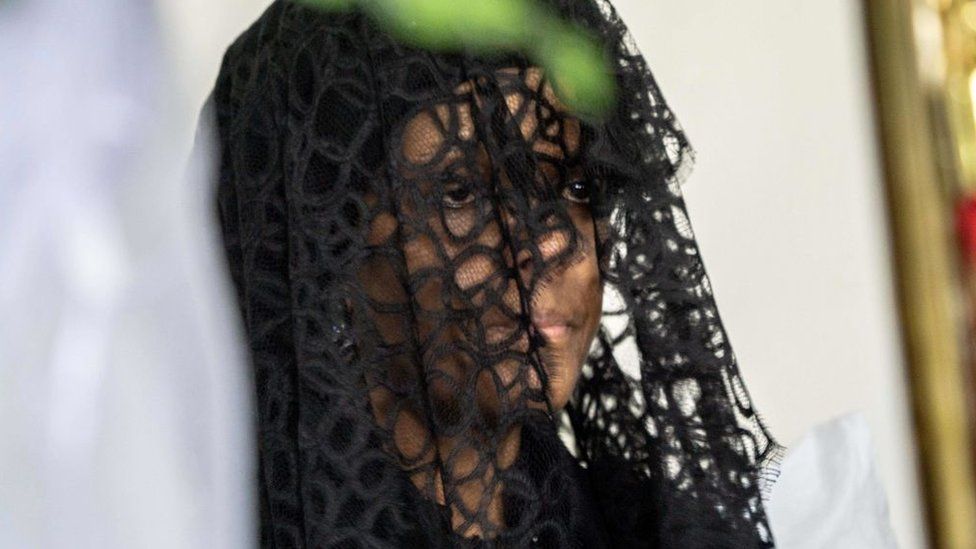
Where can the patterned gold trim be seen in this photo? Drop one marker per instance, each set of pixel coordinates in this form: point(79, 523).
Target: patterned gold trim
point(913, 59)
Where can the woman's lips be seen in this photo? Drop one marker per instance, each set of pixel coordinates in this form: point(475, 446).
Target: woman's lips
point(553, 326)
point(554, 332)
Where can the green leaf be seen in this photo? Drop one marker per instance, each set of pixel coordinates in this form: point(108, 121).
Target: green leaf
point(579, 71)
point(574, 61)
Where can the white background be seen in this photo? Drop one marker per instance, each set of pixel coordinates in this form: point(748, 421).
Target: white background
point(786, 200)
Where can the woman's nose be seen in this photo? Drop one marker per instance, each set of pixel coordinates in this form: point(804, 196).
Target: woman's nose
point(524, 261)
point(519, 243)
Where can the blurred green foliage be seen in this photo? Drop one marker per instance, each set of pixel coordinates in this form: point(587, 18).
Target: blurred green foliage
point(573, 60)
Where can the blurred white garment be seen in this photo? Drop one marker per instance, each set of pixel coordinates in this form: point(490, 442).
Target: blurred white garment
point(125, 403)
point(829, 494)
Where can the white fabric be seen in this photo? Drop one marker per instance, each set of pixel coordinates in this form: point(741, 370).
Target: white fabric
point(829, 493)
point(124, 399)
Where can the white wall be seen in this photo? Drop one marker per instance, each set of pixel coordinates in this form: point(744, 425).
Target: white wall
point(787, 204)
point(197, 33)
point(786, 200)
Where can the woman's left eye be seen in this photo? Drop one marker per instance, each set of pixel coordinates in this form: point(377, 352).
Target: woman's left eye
point(457, 196)
point(577, 191)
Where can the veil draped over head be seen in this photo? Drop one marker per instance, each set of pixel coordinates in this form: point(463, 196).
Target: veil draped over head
point(391, 216)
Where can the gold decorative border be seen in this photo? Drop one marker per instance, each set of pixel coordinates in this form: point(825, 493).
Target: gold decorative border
point(912, 68)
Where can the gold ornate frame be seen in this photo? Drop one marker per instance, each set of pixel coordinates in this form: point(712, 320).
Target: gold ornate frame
point(924, 64)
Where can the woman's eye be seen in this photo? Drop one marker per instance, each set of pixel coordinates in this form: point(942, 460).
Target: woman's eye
point(577, 191)
point(458, 196)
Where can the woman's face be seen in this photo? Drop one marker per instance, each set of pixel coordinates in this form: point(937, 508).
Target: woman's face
point(453, 221)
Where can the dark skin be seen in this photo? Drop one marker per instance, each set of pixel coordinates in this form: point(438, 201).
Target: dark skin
point(566, 300)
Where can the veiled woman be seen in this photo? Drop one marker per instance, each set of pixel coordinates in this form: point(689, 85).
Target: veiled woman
point(475, 318)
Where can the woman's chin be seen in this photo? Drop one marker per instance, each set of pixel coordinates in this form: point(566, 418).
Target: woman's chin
point(562, 373)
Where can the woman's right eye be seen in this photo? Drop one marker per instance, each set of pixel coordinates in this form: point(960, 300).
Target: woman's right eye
point(457, 195)
point(577, 191)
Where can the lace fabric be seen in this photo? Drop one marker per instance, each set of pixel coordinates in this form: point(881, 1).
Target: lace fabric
point(407, 231)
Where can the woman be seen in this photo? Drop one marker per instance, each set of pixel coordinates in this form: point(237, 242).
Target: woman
point(475, 319)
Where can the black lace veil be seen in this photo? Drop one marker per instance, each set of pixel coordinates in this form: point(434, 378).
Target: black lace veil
point(390, 216)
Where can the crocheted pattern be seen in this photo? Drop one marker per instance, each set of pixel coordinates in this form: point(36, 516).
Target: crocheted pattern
point(389, 215)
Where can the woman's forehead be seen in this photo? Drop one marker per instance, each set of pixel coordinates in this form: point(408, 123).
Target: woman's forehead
point(542, 119)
